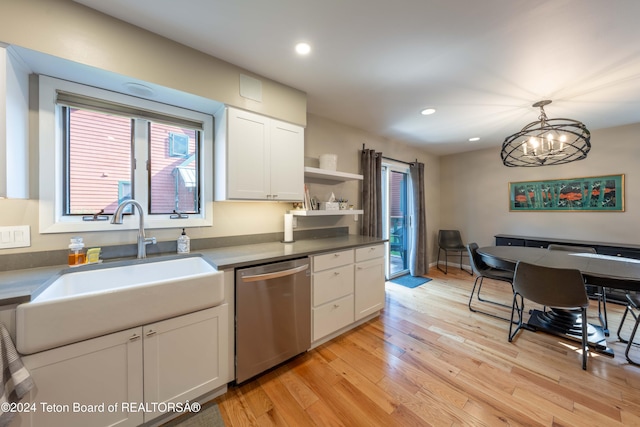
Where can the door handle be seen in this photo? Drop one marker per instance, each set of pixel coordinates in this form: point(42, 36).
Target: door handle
point(275, 274)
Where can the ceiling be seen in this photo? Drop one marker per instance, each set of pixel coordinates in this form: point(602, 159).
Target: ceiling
point(375, 64)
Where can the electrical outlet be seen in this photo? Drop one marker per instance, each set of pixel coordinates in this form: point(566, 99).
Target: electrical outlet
point(17, 236)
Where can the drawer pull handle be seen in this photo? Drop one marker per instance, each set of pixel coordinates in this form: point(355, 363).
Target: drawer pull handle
point(151, 333)
point(134, 337)
point(336, 273)
point(336, 255)
point(336, 306)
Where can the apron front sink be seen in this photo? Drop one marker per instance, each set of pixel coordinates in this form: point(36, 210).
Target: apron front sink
point(90, 301)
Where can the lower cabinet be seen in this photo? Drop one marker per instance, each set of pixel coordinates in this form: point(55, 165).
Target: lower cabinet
point(369, 294)
point(128, 377)
point(348, 286)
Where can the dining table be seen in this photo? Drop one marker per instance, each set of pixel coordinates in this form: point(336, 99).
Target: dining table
point(597, 270)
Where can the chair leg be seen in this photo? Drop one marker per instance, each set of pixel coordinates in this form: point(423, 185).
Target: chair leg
point(520, 309)
point(630, 343)
point(585, 344)
point(602, 310)
point(477, 284)
point(624, 316)
point(470, 271)
point(445, 260)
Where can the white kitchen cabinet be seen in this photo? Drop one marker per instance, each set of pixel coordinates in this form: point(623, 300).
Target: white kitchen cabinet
point(332, 316)
point(106, 369)
point(184, 357)
point(348, 287)
point(258, 158)
point(174, 360)
point(369, 280)
point(332, 292)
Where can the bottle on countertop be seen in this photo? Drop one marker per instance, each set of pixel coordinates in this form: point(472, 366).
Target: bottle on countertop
point(184, 243)
point(76, 252)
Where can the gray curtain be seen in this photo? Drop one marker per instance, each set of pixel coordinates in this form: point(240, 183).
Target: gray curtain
point(371, 193)
point(418, 265)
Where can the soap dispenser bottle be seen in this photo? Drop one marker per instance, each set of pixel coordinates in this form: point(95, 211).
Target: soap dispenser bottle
point(184, 243)
point(76, 252)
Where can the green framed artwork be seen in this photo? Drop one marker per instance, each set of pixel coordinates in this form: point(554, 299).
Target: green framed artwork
point(595, 194)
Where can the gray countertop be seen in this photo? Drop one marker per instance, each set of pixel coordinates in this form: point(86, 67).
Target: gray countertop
point(16, 286)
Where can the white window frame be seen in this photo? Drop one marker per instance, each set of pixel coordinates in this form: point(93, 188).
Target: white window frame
point(51, 168)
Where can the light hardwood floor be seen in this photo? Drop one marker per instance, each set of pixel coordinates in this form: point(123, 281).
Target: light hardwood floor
point(427, 360)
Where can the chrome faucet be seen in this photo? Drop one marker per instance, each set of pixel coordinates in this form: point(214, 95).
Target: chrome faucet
point(142, 240)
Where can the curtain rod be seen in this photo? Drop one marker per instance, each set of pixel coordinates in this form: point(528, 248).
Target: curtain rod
point(395, 160)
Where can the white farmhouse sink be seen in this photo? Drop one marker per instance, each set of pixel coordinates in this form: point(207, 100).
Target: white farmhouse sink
point(89, 302)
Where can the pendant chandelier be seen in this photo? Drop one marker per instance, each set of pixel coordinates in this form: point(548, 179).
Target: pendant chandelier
point(546, 142)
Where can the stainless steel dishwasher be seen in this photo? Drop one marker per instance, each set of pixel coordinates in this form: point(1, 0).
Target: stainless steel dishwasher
point(273, 315)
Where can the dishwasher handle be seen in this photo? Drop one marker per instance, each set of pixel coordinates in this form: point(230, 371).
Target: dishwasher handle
point(275, 274)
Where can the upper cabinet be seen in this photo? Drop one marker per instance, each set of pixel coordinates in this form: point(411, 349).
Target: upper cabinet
point(258, 158)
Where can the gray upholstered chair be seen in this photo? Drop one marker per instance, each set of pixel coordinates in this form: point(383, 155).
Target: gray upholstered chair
point(600, 292)
point(483, 271)
point(559, 288)
point(450, 241)
point(633, 307)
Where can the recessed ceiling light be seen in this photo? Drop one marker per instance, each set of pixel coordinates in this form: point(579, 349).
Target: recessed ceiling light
point(303, 48)
point(474, 139)
point(428, 111)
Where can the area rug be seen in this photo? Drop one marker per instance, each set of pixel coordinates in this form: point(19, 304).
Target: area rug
point(208, 416)
point(409, 281)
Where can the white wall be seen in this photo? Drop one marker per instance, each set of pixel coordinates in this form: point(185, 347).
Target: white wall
point(475, 193)
point(326, 136)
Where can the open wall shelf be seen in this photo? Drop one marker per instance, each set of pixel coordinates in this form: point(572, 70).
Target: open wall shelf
point(329, 175)
point(298, 212)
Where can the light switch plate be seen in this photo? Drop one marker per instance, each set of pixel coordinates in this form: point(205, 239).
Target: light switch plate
point(17, 236)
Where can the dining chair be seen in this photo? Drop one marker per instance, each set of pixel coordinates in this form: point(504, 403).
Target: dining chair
point(484, 271)
point(600, 292)
point(450, 241)
point(559, 288)
point(633, 307)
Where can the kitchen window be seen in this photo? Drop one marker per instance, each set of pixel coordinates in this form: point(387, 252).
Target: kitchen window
point(98, 148)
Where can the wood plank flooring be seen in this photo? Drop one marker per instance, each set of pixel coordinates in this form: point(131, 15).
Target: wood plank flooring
point(429, 361)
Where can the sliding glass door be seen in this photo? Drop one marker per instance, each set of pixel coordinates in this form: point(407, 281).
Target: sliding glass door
point(395, 180)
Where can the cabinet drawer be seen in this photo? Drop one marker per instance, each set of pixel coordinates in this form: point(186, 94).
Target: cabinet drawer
point(369, 252)
point(332, 316)
point(508, 241)
point(617, 251)
point(536, 243)
point(332, 260)
point(332, 284)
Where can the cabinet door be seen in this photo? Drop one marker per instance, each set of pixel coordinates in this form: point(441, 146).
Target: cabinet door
point(332, 284)
point(248, 169)
point(185, 357)
point(101, 371)
point(287, 161)
point(369, 287)
point(332, 316)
